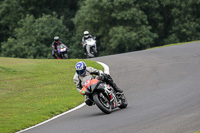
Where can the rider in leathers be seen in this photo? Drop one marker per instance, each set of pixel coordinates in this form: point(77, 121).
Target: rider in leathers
point(55, 43)
point(85, 37)
point(82, 70)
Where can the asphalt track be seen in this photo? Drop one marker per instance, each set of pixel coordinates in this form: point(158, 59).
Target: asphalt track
point(163, 90)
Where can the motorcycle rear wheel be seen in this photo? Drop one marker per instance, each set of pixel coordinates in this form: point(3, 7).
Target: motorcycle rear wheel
point(102, 102)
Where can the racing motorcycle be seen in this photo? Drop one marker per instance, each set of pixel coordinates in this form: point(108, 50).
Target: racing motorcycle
point(62, 52)
point(91, 47)
point(103, 95)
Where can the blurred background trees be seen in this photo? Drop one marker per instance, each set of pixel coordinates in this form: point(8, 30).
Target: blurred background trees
point(27, 27)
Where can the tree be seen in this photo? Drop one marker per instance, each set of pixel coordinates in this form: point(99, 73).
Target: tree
point(185, 22)
point(66, 8)
point(10, 13)
point(34, 36)
point(119, 25)
point(173, 21)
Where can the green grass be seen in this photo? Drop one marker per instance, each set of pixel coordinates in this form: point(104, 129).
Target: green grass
point(34, 90)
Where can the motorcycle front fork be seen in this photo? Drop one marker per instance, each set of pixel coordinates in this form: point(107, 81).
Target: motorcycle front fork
point(115, 100)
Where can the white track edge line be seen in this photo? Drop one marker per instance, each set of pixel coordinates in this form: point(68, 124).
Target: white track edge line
point(79, 106)
point(106, 70)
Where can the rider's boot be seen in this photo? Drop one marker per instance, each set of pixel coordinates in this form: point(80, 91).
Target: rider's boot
point(88, 101)
point(116, 88)
point(54, 56)
point(108, 79)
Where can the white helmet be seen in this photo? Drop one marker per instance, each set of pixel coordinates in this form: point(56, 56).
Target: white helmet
point(86, 34)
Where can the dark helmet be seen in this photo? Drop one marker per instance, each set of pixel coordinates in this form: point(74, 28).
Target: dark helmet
point(56, 38)
point(81, 68)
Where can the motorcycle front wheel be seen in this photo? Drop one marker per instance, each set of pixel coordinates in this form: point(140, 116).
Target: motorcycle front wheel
point(94, 51)
point(102, 102)
point(65, 56)
point(124, 101)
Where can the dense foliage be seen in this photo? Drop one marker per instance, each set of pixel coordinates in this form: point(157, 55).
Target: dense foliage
point(27, 28)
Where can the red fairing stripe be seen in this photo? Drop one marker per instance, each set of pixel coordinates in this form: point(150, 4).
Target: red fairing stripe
point(115, 104)
point(111, 97)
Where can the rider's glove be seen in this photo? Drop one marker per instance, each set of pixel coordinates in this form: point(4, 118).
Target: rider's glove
point(101, 78)
point(95, 73)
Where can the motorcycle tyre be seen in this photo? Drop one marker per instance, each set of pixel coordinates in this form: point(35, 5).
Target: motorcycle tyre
point(124, 102)
point(100, 105)
point(94, 51)
point(65, 56)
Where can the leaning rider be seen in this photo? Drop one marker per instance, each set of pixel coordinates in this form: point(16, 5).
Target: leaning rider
point(82, 71)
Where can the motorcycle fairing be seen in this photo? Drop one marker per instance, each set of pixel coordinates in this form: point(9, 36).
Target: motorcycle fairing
point(89, 85)
point(62, 48)
point(90, 41)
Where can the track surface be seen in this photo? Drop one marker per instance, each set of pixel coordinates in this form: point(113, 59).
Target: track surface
point(163, 90)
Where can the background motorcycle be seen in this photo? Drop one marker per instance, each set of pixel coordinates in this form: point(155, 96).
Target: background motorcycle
point(102, 94)
point(62, 52)
point(91, 47)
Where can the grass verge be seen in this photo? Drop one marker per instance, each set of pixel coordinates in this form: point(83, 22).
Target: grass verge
point(34, 90)
point(173, 44)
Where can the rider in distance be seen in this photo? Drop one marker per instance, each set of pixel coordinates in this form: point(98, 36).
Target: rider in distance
point(85, 37)
point(55, 44)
